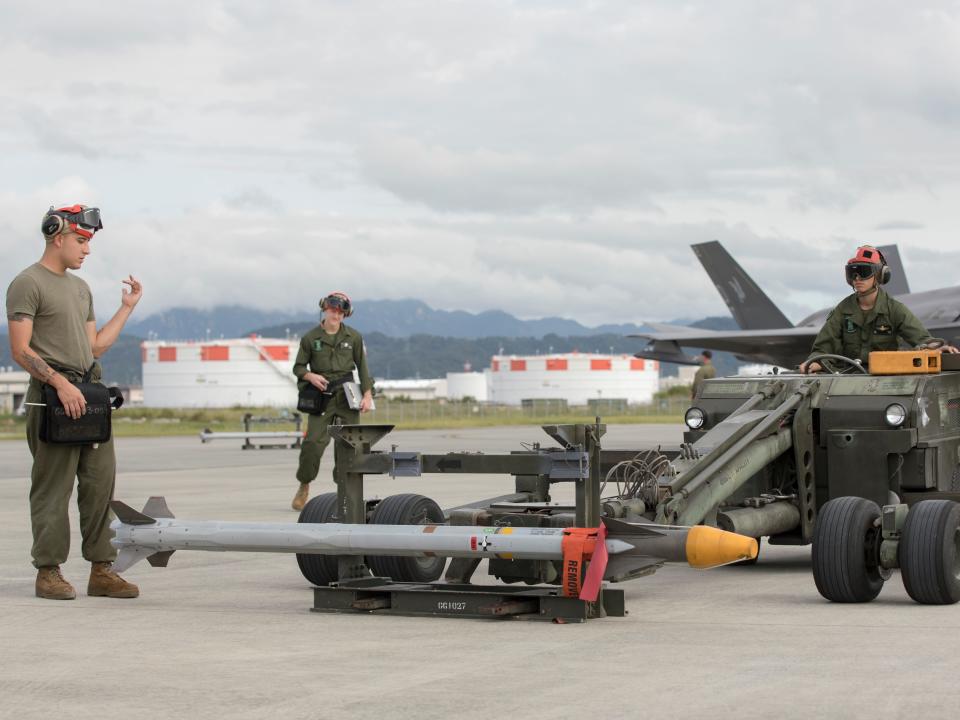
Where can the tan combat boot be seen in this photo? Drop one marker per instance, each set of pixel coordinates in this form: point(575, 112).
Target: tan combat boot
point(300, 499)
point(104, 582)
point(52, 586)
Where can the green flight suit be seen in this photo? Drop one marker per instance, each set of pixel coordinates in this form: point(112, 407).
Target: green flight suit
point(334, 357)
point(704, 372)
point(853, 333)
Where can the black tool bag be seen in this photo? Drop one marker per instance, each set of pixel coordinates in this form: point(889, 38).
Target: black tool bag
point(92, 427)
point(313, 401)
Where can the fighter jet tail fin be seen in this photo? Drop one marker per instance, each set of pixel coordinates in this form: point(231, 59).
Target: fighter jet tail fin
point(748, 304)
point(898, 284)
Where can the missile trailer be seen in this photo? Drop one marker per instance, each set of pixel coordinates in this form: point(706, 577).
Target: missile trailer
point(384, 555)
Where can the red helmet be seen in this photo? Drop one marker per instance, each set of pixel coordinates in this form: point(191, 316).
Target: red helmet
point(338, 299)
point(867, 254)
point(82, 220)
point(868, 262)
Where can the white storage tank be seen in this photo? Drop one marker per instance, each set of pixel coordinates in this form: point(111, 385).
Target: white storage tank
point(578, 378)
point(462, 385)
point(252, 372)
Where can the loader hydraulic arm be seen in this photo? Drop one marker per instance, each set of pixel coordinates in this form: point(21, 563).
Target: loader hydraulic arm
point(720, 462)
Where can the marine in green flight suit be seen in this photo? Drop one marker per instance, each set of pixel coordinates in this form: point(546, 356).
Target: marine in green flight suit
point(328, 354)
point(869, 319)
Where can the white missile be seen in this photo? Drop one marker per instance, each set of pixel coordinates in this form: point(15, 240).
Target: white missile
point(155, 534)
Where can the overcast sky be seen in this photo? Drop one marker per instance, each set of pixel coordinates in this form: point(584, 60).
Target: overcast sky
point(544, 158)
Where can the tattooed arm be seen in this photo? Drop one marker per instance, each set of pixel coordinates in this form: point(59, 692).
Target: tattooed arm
point(21, 330)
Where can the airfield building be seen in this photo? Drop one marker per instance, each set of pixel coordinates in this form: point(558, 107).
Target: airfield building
point(577, 378)
point(252, 371)
point(13, 389)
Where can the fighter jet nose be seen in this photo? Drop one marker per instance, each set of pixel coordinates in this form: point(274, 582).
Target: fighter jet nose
point(708, 547)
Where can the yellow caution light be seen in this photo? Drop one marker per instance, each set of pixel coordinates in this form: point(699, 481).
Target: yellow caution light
point(708, 547)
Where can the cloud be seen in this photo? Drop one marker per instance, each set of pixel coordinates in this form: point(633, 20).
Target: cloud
point(899, 225)
point(540, 157)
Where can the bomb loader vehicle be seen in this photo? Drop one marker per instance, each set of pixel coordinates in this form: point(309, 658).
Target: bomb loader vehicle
point(865, 466)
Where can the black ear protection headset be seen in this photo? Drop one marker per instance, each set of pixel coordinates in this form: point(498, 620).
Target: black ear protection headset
point(883, 277)
point(53, 223)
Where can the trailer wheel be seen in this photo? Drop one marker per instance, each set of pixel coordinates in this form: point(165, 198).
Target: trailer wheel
point(846, 540)
point(319, 569)
point(407, 509)
point(930, 552)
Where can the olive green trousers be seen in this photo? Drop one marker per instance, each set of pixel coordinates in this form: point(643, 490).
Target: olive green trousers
point(318, 437)
point(55, 468)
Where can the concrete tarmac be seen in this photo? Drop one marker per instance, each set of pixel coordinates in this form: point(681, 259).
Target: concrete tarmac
point(231, 636)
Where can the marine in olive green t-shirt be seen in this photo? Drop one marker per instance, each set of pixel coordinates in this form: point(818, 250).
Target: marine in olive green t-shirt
point(60, 307)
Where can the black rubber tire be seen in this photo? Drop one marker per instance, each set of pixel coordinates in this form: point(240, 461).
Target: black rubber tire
point(844, 544)
point(929, 552)
point(407, 509)
point(319, 569)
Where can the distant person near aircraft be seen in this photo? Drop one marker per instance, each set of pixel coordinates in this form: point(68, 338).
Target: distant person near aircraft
point(706, 371)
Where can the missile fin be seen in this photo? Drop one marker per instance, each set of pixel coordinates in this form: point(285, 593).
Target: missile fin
point(156, 507)
point(128, 557)
point(128, 516)
point(620, 527)
point(160, 559)
point(627, 567)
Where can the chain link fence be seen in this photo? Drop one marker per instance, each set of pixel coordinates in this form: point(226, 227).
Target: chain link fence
point(438, 412)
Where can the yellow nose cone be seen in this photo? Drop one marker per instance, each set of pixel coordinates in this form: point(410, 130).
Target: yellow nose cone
point(709, 546)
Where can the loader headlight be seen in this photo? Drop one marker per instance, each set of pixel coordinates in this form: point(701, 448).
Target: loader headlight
point(895, 414)
point(694, 418)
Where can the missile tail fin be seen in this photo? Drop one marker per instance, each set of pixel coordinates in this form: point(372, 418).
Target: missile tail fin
point(128, 557)
point(156, 507)
point(160, 559)
point(128, 516)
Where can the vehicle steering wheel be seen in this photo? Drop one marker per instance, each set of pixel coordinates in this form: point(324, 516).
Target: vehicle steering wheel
point(851, 366)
